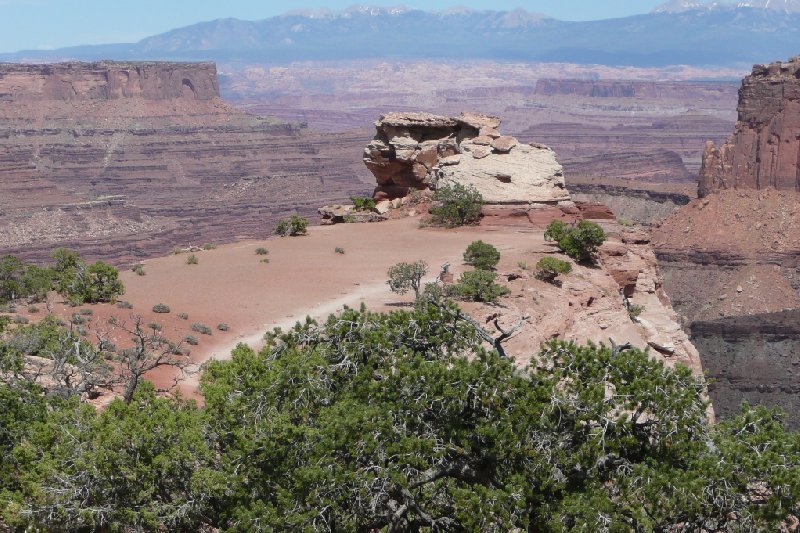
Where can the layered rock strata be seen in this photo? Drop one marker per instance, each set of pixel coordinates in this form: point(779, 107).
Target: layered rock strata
point(764, 150)
point(424, 151)
point(128, 160)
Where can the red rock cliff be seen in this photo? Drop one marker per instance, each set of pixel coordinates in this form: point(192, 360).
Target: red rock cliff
point(108, 80)
point(764, 150)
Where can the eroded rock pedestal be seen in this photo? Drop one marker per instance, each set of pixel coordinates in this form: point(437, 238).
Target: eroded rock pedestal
point(425, 151)
point(764, 150)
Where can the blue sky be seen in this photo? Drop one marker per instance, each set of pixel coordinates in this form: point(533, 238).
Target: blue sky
point(31, 24)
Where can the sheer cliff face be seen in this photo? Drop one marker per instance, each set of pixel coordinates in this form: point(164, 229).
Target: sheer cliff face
point(764, 150)
point(108, 80)
point(128, 160)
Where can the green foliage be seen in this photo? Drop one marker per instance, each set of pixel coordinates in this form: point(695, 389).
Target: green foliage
point(192, 260)
point(634, 311)
point(12, 270)
point(38, 281)
point(19, 319)
point(339, 250)
point(209, 246)
point(191, 339)
point(143, 466)
point(161, 308)
point(479, 286)
point(138, 269)
point(399, 421)
point(33, 309)
point(363, 203)
point(292, 226)
point(456, 205)
point(183, 316)
point(86, 311)
point(261, 251)
point(404, 277)
point(222, 326)
point(81, 283)
point(124, 304)
point(482, 255)
point(201, 328)
point(548, 268)
point(580, 241)
point(264, 261)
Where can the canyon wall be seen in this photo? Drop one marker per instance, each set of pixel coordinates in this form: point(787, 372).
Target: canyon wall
point(108, 80)
point(128, 160)
point(631, 89)
point(764, 150)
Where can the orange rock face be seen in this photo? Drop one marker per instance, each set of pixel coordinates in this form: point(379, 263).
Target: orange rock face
point(764, 150)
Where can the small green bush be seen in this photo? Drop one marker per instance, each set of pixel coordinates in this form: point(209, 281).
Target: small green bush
point(339, 250)
point(124, 305)
point(363, 203)
point(634, 311)
point(479, 286)
point(86, 312)
point(265, 261)
point(33, 309)
point(77, 319)
point(209, 246)
point(191, 339)
point(139, 269)
point(482, 255)
point(161, 308)
point(580, 241)
point(82, 331)
point(223, 326)
point(404, 277)
point(192, 260)
point(548, 268)
point(456, 205)
point(183, 316)
point(154, 326)
point(201, 328)
point(19, 319)
point(292, 226)
point(262, 251)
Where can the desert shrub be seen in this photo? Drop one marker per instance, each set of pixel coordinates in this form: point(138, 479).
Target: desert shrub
point(78, 319)
point(577, 241)
point(86, 312)
point(161, 308)
point(262, 251)
point(482, 255)
point(37, 282)
point(456, 205)
point(523, 265)
point(192, 260)
point(124, 305)
point(95, 283)
point(292, 226)
point(155, 326)
point(33, 309)
point(139, 269)
point(548, 268)
point(19, 319)
point(183, 316)
point(82, 331)
point(222, 326)
point(209, 246)
point(624, 222)
point(201, 328)
point(407, 276)
point(339, 250)
point(265, 261)
point(635, 310)
point(191, 339)
point(363, 203)
point(106, 345)
point(479, 286)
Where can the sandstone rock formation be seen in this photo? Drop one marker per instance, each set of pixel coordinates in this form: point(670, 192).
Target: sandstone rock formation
point(128, 160)
point(422, 151)
point(764, 150)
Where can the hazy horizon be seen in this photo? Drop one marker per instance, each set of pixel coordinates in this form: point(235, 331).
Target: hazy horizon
point(48, 24)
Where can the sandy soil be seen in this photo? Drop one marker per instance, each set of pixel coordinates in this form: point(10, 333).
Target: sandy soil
point(304, 276)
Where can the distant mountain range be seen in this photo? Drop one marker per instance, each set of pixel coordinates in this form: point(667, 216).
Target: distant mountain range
point(678, 32)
